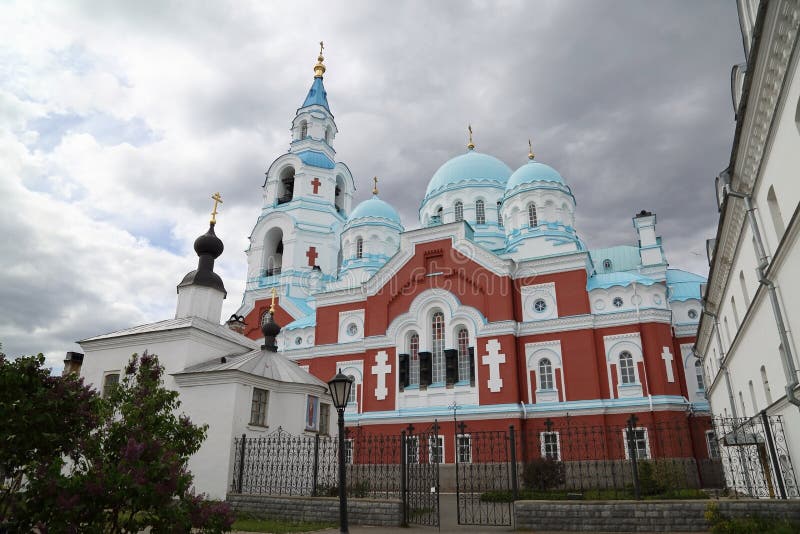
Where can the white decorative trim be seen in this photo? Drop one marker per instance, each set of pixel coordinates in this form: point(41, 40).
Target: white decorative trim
point(349, 320)
point(531, 294)
point(380, 370)
point(668, 358)
point(534, 352)
point(571, 261)
point(493, 359)
point(614, 346)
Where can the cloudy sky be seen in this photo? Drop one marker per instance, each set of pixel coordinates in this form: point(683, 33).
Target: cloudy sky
point(118, 120)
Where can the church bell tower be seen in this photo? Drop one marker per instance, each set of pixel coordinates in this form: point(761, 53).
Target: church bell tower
point(307, 195)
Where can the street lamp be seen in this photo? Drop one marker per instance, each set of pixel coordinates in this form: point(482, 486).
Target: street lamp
point(340, 392)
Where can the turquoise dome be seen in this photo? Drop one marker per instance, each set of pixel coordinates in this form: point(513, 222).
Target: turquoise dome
point(470, 166)
point(533, 171)
point(375, 207)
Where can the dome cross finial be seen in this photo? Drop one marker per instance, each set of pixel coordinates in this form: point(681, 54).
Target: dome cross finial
point(272, 304)
point(531, 155)
point(470, 145)
point(217, 200)
point(375, 187)
point(319, 68)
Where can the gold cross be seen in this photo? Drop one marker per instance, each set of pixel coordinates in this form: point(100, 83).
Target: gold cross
point(217, 200)
point(272, 305)
point(471, 145)
point(375, 188)
point(530, 150)
point(321, 46)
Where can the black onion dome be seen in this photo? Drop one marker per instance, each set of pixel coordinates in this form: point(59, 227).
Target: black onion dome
point(269, 327)
point(209, 243)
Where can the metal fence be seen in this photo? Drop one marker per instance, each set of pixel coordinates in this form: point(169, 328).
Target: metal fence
point(745, 457)
point(755, 456)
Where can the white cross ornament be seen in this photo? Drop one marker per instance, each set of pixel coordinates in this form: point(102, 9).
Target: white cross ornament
point(493, 360)
point(666, 355)
point(381, 369)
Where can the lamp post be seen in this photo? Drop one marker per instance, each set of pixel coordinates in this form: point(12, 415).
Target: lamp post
point(340, 392)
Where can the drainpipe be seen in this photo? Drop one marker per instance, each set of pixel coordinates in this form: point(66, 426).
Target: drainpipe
point(722, 366)
point(788, 358)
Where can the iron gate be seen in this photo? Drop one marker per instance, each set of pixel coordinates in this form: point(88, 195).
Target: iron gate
point(486, 476)
point(420, 457)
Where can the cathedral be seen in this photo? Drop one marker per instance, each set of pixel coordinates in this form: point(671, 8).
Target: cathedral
point(493, 308)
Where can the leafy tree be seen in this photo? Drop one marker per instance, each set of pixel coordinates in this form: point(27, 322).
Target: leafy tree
point(45, 421)
point(128, 470)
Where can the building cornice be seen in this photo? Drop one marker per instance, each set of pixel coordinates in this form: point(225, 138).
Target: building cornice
point(775, 37)
point(236, 376)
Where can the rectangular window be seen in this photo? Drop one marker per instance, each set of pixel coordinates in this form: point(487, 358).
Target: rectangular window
point(110, 381)
point(436, 452)
point(464, 442)
point(413, 354)
point(258, 408)
point(324, 419)
point(412, 450)
point(551, 447)
point(348, 451)
point(713, 444)
point(640, 443)
point(463, 355)
point(312, 412)
point(438, 370)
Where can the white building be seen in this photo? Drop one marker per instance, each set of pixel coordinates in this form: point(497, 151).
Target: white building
point(225, 379)
point(752, 306)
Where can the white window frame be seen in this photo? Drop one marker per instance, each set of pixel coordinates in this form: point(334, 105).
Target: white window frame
point(711, 437)
point(437, 444)
point(438, 371)
point(460, 447)
point(550, 375)
point(106, 392)
point(412, 450)
point(413, 364)
point(533, 216)
point(348, 451)
point(459, 211)
point(480, 212)
point(463, 356)
point(647, 456)
point(543, 444)
point(262, 423)
point(622, 381)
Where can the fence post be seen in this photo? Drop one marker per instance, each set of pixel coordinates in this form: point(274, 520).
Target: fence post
point(776, 467)
point(632, 453)
point(403, 468)
point(241, 464)
point(316, 465)
point(513, 444)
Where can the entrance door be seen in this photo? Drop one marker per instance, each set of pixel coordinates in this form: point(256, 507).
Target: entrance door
point(422, 453)
point(485, 476)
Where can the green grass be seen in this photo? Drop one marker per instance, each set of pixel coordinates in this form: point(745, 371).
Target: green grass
point(254, 524)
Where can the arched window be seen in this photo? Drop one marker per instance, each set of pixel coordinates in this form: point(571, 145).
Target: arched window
point(328, 135)
point(753, 396)
point(359, 248)
point(775, 212)
point(735, 313)
point(273, 252)
point(459, 210)
point(303, 130)
point(765, 383)
point(499, 214)
point(285, 188)
point(607, 265)
point(437, 347)
point(545, 374)
point(626, 370)
point(480, 212)
point(413, 353)
point(533, 220)
point(744, 289)
point(698, 372)
point(353, 395)
point(463, 354)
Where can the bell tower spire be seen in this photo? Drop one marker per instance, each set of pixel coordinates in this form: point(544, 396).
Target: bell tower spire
point(319, 68)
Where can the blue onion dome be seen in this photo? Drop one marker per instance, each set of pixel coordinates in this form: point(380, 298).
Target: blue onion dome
point(533, 171)
point(377, 208)
point(472, 166)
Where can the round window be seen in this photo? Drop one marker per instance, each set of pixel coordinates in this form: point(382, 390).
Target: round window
point(539, 305)
point(298, 340)
point(617, 302)
point(352, 329)
point(692, 314)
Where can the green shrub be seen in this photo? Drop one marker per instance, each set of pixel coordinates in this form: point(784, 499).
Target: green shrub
point(543, 474)
point(747, 525)
point(657, 477)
